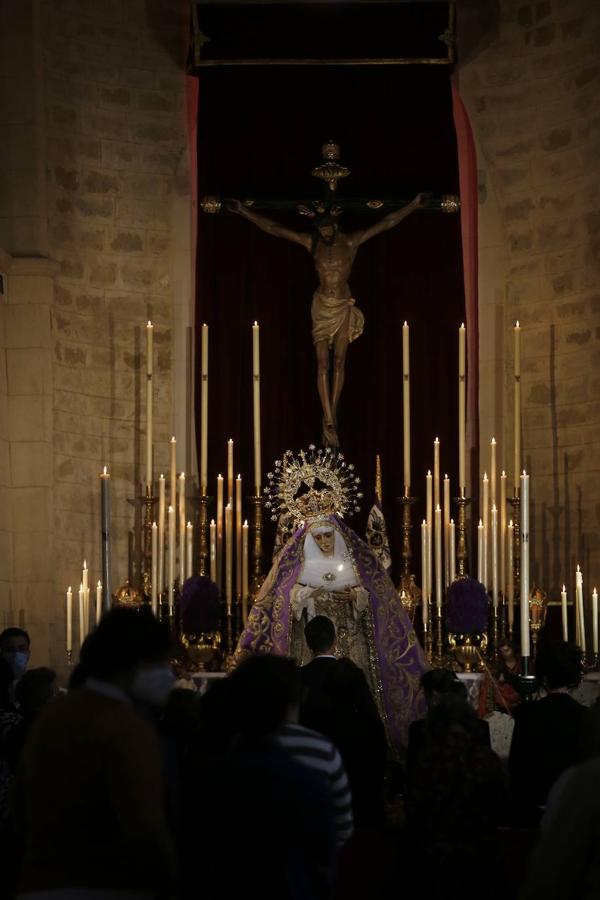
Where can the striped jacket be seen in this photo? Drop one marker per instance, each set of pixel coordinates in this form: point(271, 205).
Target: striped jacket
point(315, 751)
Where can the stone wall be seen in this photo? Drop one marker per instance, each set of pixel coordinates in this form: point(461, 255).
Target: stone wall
point(114, 201)
point(532, 88)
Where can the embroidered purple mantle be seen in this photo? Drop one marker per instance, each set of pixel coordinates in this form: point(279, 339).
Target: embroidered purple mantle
point(399, 658)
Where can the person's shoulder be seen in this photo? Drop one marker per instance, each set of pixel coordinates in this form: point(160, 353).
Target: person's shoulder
point(293, 732)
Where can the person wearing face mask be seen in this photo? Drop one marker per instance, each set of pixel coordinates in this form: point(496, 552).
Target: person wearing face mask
point(15, 648)
point(89, 793)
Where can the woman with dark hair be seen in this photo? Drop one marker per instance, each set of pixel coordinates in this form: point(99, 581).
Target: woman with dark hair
point(546, 736)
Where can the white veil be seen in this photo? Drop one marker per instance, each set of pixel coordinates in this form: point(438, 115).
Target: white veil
point(317, 568)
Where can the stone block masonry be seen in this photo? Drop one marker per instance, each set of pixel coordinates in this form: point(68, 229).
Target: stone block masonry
point(110, 160)
point(533, 95)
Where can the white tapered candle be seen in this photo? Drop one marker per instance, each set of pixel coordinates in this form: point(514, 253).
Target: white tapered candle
point(406, 405)
point(189, 552)
point(155, 579)
point(149, 402)
point(171, 558)
point(438, 558)
point(452, 551)
point(563, 609)
point(69, 620)
point(524, 601)
point(161, 533)
point(204, 412)
point(182, 538)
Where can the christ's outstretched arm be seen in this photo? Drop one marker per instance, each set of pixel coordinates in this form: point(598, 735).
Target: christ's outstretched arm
point(390, 221)
point(268, 225)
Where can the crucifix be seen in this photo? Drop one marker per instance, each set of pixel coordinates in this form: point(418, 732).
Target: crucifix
point(336, 320)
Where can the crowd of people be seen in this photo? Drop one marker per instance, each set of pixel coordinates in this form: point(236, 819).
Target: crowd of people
point(124, 786)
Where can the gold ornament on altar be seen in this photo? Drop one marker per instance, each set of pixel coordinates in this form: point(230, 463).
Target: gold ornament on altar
point(538, 607)
point(450, 203)
point(211, 205)
point(330, 171)
point(312, 484)
point(127, 595)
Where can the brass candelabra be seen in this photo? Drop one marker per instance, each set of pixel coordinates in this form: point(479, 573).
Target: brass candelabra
point(407, 503)
point(257, 577)
point(203, 535)
point(462, 557)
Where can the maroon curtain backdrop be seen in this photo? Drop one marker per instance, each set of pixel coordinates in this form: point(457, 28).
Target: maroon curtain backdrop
point(260, 132)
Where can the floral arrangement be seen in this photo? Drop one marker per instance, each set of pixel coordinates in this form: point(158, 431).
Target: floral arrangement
point(199, 606)
point(467, 607)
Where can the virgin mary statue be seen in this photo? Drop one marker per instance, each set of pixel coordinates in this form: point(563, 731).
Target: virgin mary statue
point(326, 569)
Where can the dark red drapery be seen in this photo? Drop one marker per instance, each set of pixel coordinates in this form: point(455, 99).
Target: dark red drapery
point(260, 132)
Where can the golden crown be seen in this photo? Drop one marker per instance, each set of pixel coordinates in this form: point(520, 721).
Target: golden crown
point(312, 484)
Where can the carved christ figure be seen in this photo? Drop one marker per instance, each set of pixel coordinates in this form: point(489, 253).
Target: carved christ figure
point(336, 320)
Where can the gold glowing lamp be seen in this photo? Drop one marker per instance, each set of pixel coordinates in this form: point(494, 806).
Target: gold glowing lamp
point(127, 596)
point(331, 170)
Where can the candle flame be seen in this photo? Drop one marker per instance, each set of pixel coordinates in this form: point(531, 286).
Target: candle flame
point(239, 478)
point(524, 474)
point(154, 524)
point(510, 524)
point(245, 523)
point(84, 565)
point(437, 440)
point(99, 584)
point(452, 521)
point(578, 569)
point(446, 478)
point(503, 474)
point(480, 523)
point(438, 508)
point(429, 473)
point(204, 325)
point(493, 440)
point(517, 324)
point(189, 524)
point(161, 476)
point(230, 441)
point(182, 476)
point(564, 589)
point(255, 325)
point(405, 324)
point(173, 441)
point(149, 325)
point(104, 472)
point(81, 586)
point(219, 476)
point(212, 521)
point(494, 508)
point(69, 591)
point(170, 509)
point(463, 325)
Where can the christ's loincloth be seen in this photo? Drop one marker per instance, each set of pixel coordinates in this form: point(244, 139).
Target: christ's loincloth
point(330, 315)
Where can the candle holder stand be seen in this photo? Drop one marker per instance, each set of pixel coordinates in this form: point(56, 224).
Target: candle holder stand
point(229, 630)
point(496, 631)
point(257, 577)
point(407, 503)
point(427, 628)
point(461, 544)
point(439, 639)
point(203, 536)
point(146, 501)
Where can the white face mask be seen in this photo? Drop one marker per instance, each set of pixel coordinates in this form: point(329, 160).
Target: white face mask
point(18, 661)
point(152, 685)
